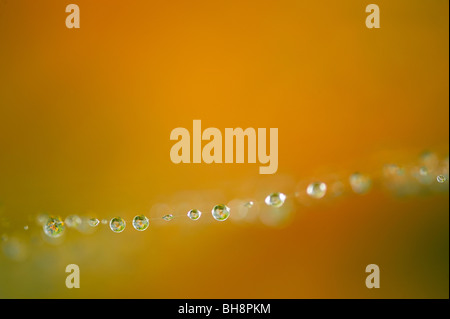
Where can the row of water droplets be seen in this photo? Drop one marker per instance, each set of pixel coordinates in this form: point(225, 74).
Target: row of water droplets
point(429, 170)
point(55, 226)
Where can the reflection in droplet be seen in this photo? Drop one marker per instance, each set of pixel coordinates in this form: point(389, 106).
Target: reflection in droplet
point(275, 199)
point(168, 217)
point(140, 222)
point(194, 214)
point(93, 222)
point(220, 212)
point(316, 190)
point(54, 227)
point(117, 224)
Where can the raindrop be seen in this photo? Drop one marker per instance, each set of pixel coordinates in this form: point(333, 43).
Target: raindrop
point(194, 214)
point(140, 222)
point(275, 199)
point(220, 212)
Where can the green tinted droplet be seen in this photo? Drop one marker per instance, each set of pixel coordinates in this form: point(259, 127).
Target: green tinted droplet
point(167, 217)
point(441, 179)
point(194, 214)
point(54, 227)
point(117, 224)
point(93, 222)
point(220, 212)
point(316, 190)
point(275, 199)
point(140, 222)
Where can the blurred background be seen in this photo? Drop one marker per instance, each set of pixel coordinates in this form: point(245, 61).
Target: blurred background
point(85, 120)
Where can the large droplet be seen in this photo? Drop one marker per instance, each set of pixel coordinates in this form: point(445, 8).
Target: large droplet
point(220, 212)
point(316, 190)
point(140, 222)
point(360, 183)
point(117, 224)
point(194, 214)
point(54, 227)
point(275, 199)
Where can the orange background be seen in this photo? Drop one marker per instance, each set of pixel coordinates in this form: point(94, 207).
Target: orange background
point(86, 115)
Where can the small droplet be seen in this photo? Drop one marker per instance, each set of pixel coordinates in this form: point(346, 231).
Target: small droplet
point(249, 204)
point(104, 221)
point(275, 199)
point(117, 224)
point(316, 190)
point(441, 179)
point(54, 227)
point(220, 212)
point(4, 237)
point(73, 221)
point(360, 183)
point(93, 222)
point(140, 222)
point(25, 227)
point(167, 217)
point(194, 214)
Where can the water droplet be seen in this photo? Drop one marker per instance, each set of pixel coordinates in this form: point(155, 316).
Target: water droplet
point(117, 224)
point(54, 227)
point(167, 217)
point(249, 204)
point(93, 222)
point(441, 179)
point(360, 183)
point(275, 199)
point(194, 214)
point(73, 221)
point(140, 222)
point(220, 212)
point(104, 221)
point(316, 190)
point(25, 227)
